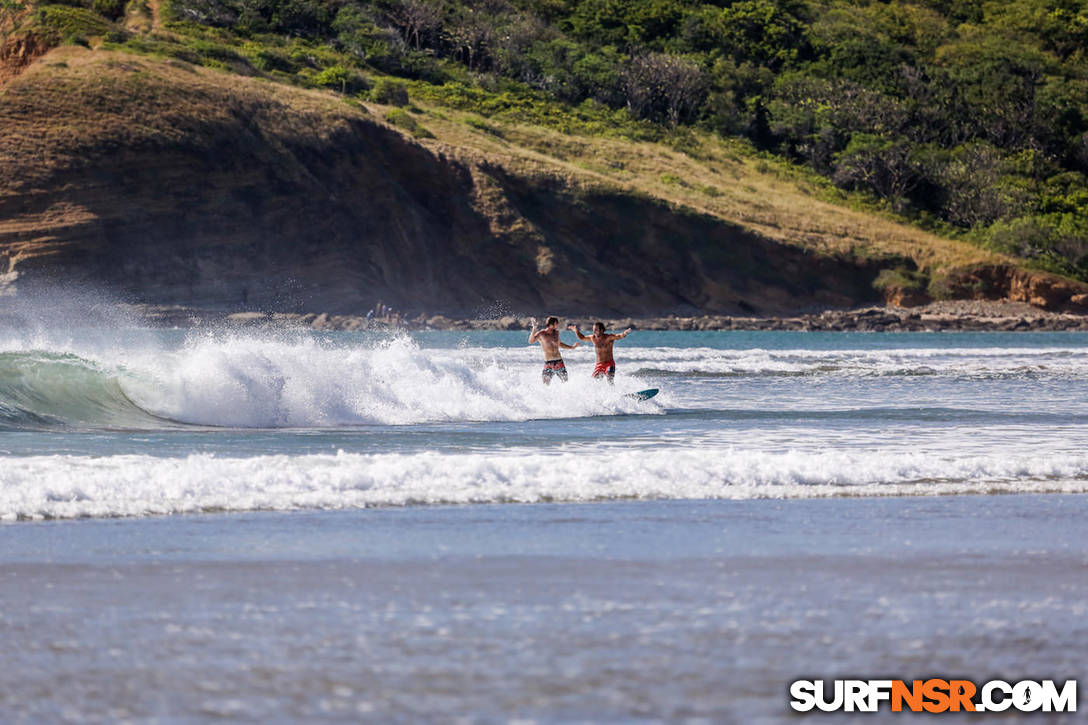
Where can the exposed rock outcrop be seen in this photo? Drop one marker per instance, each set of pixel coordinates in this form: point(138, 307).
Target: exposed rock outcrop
point(18, 49)
point(1039, 289)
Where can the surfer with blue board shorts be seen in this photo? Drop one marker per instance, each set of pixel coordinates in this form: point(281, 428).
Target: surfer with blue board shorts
point(548, 337)
point(602, 341)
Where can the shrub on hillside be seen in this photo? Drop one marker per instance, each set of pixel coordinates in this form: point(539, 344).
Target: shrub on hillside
point(901, 278)
point(269, 59)
point(403, 119)
point(72, 24)
point(1054, 242)
point(482, 125)
point(112, 9)
point(390, 93)
point(342, 79)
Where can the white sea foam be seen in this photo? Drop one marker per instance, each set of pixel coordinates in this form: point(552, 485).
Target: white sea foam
point(970, 362)
point(252, 382)
point(265, 381)
point(137, 485)
point(242, 381)
point(848, 362)
point(257, 382)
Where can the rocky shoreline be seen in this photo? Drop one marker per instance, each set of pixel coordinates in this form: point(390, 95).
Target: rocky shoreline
point(960, 315)
point(946, 316)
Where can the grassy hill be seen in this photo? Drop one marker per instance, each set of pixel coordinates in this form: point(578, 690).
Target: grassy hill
point(189, 162)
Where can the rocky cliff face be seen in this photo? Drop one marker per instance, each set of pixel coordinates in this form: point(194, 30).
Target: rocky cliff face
point(243, 220)
point(172, 185)
point(17, 50)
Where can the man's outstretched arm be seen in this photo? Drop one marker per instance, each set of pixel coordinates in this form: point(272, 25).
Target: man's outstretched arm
point(578, 332)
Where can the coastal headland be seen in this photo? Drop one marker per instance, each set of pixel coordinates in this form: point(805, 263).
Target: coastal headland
point(175, 186)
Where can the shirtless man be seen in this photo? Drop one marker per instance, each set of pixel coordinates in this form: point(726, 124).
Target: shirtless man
point(550, 343)
point(606, 364)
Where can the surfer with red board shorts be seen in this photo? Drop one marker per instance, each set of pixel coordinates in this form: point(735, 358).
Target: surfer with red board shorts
point(602, 341)
point(548, 337)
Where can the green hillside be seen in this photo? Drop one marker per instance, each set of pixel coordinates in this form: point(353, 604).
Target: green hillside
point(966, 117)
point(923, 138)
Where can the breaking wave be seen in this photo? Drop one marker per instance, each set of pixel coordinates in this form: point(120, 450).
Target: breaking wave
point(139, 485)
point(252, 382)
point(45, 390)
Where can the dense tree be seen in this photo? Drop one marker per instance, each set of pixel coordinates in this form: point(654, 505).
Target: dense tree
point(663, 87)
point(1058, 26)
point(975, 190)
point(888, 167)
point(419, 21)
point(993, 88)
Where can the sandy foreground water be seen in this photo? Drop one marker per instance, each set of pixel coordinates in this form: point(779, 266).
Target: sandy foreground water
point(700, 611)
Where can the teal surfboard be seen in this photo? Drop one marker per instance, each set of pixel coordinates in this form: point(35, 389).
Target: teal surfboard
point(643, 394)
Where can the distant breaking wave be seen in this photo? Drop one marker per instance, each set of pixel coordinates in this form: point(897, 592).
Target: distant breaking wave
point(957, 362)
point(139, 485)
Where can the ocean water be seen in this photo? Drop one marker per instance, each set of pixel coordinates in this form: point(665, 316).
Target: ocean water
point(287, 526)
point(103, 423)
